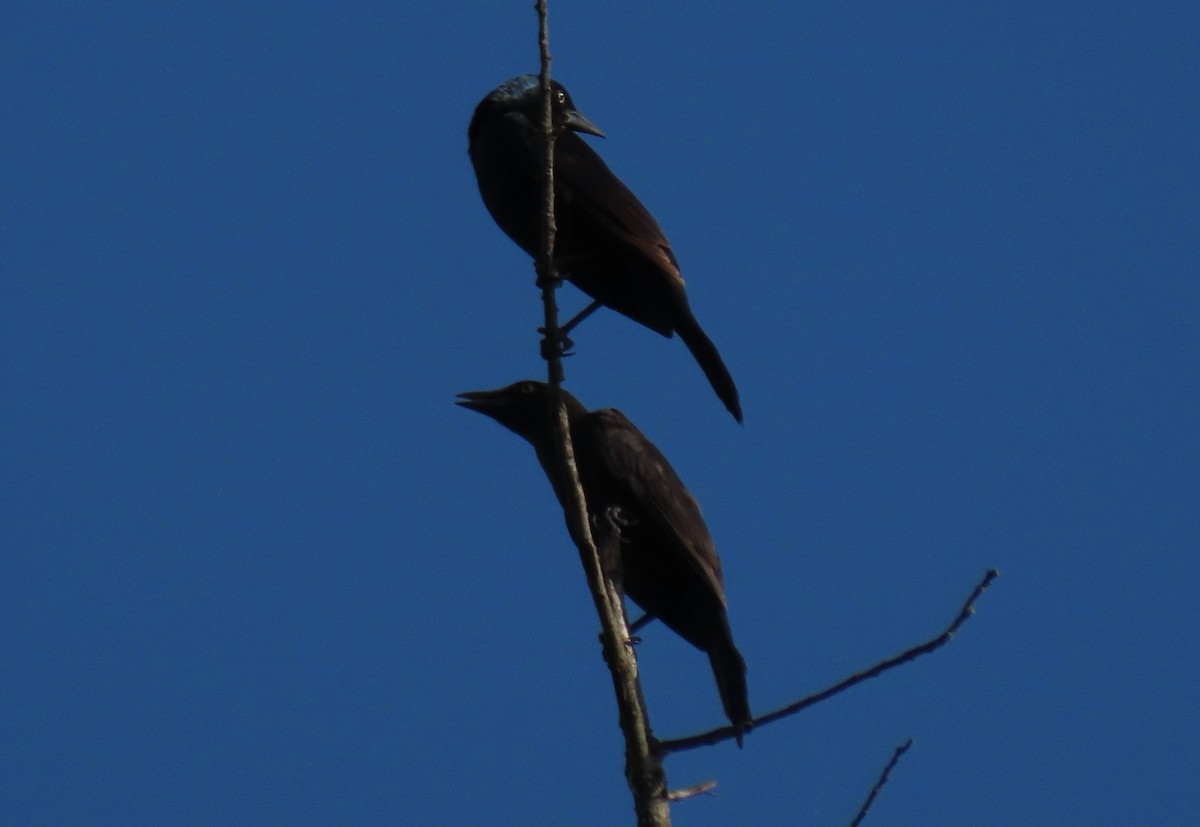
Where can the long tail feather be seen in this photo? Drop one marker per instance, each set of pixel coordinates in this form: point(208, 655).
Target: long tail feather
point(729, 669)
point(705, 353)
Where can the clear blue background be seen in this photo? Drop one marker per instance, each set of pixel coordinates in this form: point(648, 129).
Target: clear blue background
point(258, 569)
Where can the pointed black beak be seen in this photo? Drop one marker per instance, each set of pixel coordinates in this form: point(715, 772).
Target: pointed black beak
point(483, 402)
point(577, 122)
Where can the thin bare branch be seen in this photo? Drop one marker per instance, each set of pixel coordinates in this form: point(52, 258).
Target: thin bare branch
point(722, 733)
point(547, 278)
point(883, 779)
point(643, 764)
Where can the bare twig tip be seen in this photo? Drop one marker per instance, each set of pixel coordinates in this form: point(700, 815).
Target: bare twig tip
point(883, 779)
point(704, 788)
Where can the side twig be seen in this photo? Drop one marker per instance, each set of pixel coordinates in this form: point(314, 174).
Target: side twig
point(883, 779)
point(723, 733)
point(643, 765)
point(703, 788)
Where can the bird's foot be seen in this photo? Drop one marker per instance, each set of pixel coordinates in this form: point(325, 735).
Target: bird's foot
point(555, 347)
point(617, 520)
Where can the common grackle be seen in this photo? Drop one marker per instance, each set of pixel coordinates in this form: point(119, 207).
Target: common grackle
point(608, 245)
point(668, 563)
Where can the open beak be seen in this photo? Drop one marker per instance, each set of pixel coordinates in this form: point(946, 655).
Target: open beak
point(577, 122)
point(482, 401)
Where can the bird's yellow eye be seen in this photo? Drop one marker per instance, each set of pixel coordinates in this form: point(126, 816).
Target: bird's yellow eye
point(562, 96)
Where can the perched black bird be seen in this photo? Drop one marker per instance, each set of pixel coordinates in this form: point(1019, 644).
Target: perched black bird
point(669, 565)
point(608, 245)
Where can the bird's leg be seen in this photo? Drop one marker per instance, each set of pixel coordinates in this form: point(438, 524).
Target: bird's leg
point(640, 623)
point(579, 317)
point(563, 345)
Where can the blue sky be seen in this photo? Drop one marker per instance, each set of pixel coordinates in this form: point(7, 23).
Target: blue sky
point(257, 568)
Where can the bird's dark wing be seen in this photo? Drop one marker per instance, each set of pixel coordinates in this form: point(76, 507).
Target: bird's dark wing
point(643, 478)
point(597, 197)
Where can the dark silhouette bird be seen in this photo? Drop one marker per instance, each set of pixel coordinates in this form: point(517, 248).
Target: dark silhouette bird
point(608, 245)
point(668, 563)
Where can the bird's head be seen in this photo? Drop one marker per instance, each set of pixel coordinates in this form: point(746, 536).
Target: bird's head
point(523, 95)
point(522, 407)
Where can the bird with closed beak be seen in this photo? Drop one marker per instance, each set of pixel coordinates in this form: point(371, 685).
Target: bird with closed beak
point(608, 245)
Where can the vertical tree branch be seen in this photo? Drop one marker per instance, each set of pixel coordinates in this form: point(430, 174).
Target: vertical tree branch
point(643, 767)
